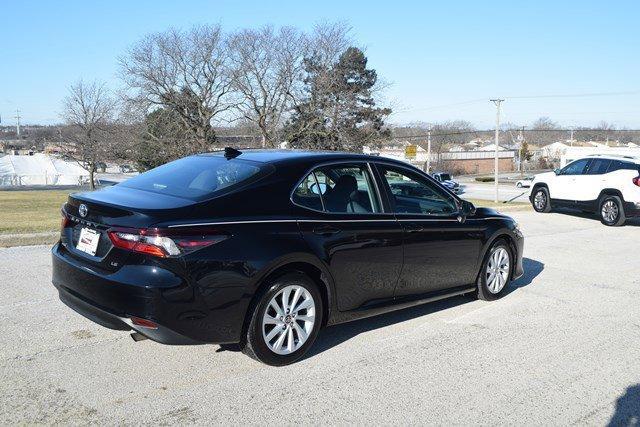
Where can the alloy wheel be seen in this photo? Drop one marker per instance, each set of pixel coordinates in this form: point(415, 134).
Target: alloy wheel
point(288, 320)
point(540, 200)
point(610, 211)
point(497, 272)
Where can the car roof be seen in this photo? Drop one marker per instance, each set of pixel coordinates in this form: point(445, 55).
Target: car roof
point(622, 157)
point(283, 156)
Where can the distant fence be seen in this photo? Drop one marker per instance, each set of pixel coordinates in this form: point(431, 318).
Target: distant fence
point(471, 155)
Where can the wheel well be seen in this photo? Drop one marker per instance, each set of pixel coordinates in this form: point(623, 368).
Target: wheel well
point(540, 184)
point(610, 192)
point(512, 247)
point(310, 270)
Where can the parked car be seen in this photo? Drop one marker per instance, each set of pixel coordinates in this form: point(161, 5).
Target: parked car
point(606, 185)
point(524, 182)
point(263, 248)
point(446, 180)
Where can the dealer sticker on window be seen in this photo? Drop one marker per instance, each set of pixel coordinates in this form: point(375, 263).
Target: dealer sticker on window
point(88, 241)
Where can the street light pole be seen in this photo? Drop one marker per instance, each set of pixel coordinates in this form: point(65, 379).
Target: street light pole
point(497, 103)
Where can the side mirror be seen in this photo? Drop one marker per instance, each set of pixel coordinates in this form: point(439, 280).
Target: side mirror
point(467, 208)
point(556, 171)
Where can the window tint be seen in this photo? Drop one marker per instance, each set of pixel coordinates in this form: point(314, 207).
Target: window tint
point(195, 177)
point(307, 194)
point(575, 168)
point(598, 166)
point(619, 164)
point(343, 188)
point(415, 194)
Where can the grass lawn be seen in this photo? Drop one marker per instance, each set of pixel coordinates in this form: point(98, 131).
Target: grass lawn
point(500, 205)
point(30, 211)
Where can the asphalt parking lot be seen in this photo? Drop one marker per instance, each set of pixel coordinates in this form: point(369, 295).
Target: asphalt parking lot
point(561, 348)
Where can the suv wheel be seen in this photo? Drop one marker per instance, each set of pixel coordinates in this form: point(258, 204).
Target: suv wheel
point(285, 321)
point(541, 201)
point(496, 271)
point(612, 211)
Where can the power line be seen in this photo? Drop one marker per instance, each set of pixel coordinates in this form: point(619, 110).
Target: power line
point(468, 132)
point(570, 95)
point(576, 95)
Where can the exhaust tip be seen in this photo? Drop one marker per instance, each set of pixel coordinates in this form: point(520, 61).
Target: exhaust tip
point(137, 336)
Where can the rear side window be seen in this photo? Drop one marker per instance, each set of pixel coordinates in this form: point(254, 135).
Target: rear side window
point(617, 165)
point(598, 166)
point(307, 194)
point(196, 177)
point(338, 189)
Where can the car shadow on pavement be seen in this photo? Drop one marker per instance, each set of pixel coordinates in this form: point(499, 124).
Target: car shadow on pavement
point(336, 335)
point(627, 408)
point(631, 222)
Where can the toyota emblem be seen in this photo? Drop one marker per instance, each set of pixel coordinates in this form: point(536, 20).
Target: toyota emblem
point(83, 210)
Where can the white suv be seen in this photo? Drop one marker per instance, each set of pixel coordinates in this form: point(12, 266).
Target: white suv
point(606, 184)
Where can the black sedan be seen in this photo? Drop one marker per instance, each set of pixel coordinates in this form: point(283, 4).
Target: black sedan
point(263, 248)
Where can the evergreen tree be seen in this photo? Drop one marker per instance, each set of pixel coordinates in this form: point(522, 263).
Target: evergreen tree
point(338, 111)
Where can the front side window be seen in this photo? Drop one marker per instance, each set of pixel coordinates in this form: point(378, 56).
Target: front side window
point(575, 168)
point(338, 189)
point(415, 194)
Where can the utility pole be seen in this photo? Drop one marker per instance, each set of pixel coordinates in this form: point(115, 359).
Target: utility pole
point(571, 138)
point(17, 117)
point(429, 150)
point(497, 103)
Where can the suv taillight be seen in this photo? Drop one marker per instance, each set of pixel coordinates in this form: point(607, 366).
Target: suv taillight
point(636, 181)
point(163, 242)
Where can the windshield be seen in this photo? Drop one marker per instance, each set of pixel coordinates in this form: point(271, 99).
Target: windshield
point(196, 177)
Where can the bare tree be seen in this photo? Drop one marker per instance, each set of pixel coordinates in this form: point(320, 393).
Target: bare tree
point(267, 72)
point(183, 71)
point(89, 111)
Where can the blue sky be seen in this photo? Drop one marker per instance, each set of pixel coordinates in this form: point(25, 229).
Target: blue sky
point(434, 54)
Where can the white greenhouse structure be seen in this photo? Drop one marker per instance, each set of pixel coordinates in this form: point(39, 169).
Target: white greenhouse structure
point(40, 169)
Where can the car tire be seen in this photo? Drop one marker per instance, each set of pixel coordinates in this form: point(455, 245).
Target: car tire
point(612, 211)
point(277, 334)
point(495, 275)
point(541, 201)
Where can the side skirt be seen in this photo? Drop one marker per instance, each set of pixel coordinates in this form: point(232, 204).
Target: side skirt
point(386, 306)
point(585, 205)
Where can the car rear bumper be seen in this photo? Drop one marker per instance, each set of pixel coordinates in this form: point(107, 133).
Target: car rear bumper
point(111, 299)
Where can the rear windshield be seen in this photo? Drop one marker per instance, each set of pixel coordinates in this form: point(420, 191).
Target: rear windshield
point(196, 177)
point(445, 176)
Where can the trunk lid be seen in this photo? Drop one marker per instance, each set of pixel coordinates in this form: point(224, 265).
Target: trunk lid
point(98, 211)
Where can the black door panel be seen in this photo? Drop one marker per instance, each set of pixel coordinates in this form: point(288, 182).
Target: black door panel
point(438, 254)
point(364, 256)
point(440, 247)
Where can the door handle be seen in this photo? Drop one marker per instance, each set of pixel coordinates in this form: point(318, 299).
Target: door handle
point(326, 230)
point(414, 228)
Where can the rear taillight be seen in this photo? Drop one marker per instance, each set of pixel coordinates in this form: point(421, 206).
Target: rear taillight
point(163, 243)
point(636, 181)
point(64, 223)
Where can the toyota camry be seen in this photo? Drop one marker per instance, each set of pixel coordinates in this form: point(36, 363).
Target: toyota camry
point(263, 248)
